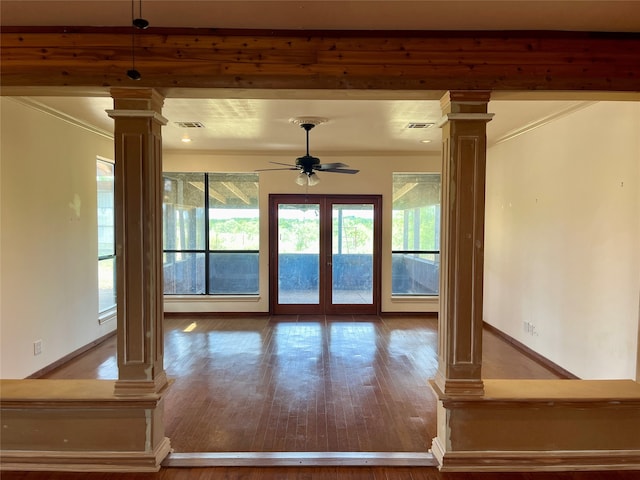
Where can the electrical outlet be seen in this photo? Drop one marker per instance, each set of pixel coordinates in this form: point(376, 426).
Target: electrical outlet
point(530, 328)
point(37, 347)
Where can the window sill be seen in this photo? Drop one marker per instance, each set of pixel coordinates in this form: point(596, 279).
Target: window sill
point(415, 298)
point(211, 298)
point(107, 316)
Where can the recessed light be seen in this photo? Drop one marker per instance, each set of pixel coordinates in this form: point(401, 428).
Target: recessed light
point(185, 139)
point(425, 141)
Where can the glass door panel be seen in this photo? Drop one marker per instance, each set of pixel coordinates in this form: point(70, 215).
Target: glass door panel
point(298, 254)
point(324, 254)
point(352, 254)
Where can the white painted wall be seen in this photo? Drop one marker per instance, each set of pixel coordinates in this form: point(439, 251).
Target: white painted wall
point(48, 254)
point(563, 240)
point(374, 178)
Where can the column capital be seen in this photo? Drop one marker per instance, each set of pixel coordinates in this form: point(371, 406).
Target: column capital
point(147, 99)
point(452, 117)
point(124, 113)
point(465, 101)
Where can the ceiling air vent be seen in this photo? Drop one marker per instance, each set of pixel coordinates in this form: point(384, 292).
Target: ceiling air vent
point(420, 125)
point(189, 125)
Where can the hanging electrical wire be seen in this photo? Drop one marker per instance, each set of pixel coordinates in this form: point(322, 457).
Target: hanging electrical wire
point(138, 23)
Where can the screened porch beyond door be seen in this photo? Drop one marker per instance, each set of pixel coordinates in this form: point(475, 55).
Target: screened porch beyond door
point(298, 282)
point(325, 254)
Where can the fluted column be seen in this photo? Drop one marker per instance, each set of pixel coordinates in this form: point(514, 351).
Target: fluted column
point(462, 242)
point(138, 201)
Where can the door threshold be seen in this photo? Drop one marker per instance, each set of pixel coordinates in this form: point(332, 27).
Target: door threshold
point(300, 459)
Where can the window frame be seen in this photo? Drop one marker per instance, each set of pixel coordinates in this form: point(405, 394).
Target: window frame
point(207, 251)
point(413, 251)
point(109, 312)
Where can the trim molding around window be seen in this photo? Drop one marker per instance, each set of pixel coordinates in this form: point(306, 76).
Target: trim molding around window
point(415, 250)
point(107, 315)
point(106, 240)
point(211, 234)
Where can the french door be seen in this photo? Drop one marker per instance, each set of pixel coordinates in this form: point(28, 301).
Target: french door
point(324, 254)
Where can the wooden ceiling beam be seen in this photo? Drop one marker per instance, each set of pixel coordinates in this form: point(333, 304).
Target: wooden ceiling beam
point(205, 58)
point(402, 191)
point(233, 188)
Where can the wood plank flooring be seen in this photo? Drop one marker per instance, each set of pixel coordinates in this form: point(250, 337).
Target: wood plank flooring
point(309, 383)
point(302, 383)
point(318, 473)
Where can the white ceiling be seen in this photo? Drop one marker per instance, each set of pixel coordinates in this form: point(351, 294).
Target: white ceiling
point(355, 123)
point(353, 126)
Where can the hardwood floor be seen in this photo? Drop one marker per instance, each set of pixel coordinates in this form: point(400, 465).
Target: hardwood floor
point(302, 383)
point(318, 473)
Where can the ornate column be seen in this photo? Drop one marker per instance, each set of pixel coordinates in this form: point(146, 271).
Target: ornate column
point(462, 242)
point(65, 428)
point(138, 197)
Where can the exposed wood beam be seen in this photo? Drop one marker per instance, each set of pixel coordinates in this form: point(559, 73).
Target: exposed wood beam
point(218, 196)
point(383, 60)
point(212, 192)
point(237, 192)
point(197, 185)
point(402, 191)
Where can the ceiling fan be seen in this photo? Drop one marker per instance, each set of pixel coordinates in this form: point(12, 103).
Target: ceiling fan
point(307, 164)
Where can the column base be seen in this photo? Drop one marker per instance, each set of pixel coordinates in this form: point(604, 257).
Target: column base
point(79, 425)
point(448, 387)
point(540, 425)
point(142, 387)
point(535, 461)
point(62, 461)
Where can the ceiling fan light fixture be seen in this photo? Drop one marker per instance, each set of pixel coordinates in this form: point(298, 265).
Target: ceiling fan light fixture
point(307, 164)
point(313, 179)
point(301, 179)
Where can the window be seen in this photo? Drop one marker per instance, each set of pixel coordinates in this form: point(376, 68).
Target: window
point(106, 238)
point(416, 234)
point(211, 233)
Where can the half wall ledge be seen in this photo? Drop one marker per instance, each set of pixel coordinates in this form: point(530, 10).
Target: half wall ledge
point(540, 425)
point(80, 425)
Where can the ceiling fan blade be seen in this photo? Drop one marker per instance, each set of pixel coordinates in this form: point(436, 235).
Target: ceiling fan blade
point(288, 165)
point(340, 170)
point(269, 169)
point(329, 166)
point(285, 164)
